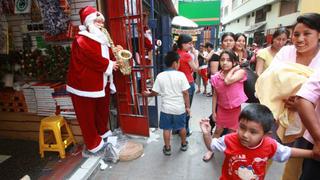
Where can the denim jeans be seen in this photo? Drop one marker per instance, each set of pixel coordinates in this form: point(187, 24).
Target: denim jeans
point(191, 92)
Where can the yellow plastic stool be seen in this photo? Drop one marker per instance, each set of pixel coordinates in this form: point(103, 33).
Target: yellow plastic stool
point(54, 124)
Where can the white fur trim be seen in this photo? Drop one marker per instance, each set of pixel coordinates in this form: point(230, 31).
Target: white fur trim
point(96, 149)
point(110, 68)
point(82, 28)
point(93, 94)
point(107, 134)
point(93, 37)
point(105, 51)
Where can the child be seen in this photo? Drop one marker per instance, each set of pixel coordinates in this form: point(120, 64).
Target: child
point(308, 106)
point(248, 150)
point(173, 87)
point(228, 95)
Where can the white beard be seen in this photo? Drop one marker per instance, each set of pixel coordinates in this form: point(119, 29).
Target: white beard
point(93, 29)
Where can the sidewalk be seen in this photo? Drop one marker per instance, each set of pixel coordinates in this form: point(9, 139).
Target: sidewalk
point(180, 165)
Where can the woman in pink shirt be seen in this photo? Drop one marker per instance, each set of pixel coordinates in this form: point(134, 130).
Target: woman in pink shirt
point(188, 64)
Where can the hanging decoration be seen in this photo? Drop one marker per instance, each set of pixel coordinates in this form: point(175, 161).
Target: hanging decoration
point(6, 7)
point(35, 12)
point(4, 38)
point(54, 19)
point(22, 6)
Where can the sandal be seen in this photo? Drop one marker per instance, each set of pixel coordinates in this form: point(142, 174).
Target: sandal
point(206, 158)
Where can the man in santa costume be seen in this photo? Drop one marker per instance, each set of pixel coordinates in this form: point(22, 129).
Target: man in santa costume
point(90, 79)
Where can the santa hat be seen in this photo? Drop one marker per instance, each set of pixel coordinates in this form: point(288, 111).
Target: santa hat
point(87, 16)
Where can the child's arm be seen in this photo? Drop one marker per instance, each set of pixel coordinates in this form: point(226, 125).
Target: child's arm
point(215, 144)
point(234, 75)
point(206, 128)
point(186, 101)
point(283, 153)
point(148, 93)
point(214, 103)
point(303, 153)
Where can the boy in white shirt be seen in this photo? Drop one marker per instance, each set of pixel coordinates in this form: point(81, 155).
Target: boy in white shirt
point(172, 86)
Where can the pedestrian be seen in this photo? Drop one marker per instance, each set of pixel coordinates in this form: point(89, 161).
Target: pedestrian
point(203, 66)
point(248, 150)
point(304, 51)
point(89, 70)
point(228, 95)
point(188, 65)
point(265, 55)
point(172, 86)
point(309, 111)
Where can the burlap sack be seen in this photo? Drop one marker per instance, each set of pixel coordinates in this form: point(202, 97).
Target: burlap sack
point(130, 151)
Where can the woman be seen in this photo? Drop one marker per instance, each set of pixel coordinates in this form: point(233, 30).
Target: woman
point(306, 51)
point(265, 55)
point(244, 57)
point(227, 42)
point(240, 48)
point(188, 65)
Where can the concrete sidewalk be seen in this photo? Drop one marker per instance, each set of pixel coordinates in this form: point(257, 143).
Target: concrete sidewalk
point(180, 165)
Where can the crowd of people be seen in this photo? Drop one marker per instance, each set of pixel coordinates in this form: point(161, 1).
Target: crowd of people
point(265, 102)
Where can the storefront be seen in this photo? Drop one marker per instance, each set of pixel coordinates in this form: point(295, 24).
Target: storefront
point(34, 56)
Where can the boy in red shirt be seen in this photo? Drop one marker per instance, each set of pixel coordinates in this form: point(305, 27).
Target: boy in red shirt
point(248, 150)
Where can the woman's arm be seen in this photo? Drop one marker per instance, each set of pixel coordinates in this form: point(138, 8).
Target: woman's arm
point(234, 75)
point(259, 66)
point(194, 63)
point(309, 118)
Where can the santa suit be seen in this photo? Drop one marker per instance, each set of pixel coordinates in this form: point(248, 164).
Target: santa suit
point(89, 70)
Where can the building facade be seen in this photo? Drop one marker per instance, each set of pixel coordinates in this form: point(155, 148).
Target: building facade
point(260, 18)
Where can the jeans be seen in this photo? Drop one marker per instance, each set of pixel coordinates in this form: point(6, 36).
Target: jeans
point(191, 92)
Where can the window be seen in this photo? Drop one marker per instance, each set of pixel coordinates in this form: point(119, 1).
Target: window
point(221, 11)
point(288, 7)
point(248, 20)
point(260, 16)
point(226, 10)
point(234, 4)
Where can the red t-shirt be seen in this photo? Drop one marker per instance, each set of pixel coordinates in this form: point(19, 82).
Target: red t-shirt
point(184, 67)
point(241, 161)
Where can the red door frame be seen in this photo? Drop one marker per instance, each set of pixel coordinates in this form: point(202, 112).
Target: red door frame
point(132, 115)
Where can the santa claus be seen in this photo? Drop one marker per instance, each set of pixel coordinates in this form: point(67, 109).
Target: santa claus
point(90, 79)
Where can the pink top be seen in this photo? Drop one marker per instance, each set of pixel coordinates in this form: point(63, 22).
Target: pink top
point(310, 90)
point(184, 67)
point(289, 54)
point(228, 96)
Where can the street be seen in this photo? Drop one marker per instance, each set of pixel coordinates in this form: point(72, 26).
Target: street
point(180, 165)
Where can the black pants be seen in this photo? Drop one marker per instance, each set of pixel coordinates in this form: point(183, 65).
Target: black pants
point(310, 167)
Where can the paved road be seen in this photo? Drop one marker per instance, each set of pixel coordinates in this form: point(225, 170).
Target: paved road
point(180, 165)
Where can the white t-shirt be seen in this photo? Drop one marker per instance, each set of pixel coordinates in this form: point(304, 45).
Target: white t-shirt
point(170, 84)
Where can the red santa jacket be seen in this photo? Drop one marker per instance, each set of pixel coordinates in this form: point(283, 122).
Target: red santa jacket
point(90, 66)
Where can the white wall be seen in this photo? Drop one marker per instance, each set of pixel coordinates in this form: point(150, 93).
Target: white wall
point(243, 9)
point(273, 20)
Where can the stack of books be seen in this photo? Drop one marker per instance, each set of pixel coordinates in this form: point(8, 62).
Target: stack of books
point(64, 104)
point(30, 98)
point(46, 105)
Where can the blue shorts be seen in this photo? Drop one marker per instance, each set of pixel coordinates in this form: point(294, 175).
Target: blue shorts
point(172, 122)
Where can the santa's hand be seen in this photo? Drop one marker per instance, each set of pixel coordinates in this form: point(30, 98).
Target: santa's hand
point(118, 48)
point(115, 66)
